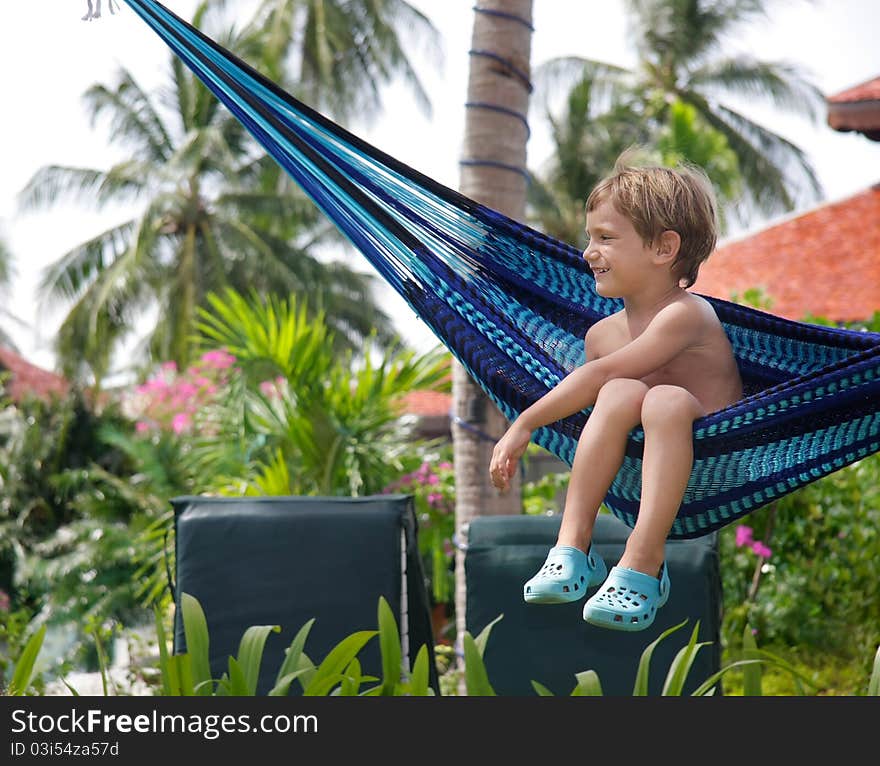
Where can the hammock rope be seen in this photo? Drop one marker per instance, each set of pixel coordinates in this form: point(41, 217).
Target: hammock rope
point(513, 305)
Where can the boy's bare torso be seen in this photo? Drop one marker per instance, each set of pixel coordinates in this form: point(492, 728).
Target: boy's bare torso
point(706, 368)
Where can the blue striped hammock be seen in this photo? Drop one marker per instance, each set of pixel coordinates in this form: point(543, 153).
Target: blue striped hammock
point(513, 305)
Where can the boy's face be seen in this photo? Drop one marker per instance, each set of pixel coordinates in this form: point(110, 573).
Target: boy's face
point(621, 262)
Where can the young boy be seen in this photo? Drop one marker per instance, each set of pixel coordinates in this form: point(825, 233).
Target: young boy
point(663, 361)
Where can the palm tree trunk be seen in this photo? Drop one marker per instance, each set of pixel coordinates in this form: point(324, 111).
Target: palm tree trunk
point(185, 325)
point(493, 172)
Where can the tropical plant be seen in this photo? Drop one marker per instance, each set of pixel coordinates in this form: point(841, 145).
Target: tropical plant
point(297, 420)
point(588, 683)
point(683, 66)
point(7, 271)
point(336, 55)
point(339, 673)
point(820, 588)
point(204, 221)
point(433, 489)
point(67, 522)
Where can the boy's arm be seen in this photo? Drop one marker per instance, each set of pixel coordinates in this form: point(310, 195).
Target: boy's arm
point(674, 329)
point(671, 331)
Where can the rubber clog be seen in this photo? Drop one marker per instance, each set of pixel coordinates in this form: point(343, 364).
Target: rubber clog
point(628, 600)
point(565, 576)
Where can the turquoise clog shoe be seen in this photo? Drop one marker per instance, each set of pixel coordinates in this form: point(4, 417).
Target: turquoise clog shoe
point(565, 576)
point(628, 600)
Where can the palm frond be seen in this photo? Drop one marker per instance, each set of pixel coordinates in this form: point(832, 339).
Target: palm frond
point(53, 183)
point(74, 271)
point(781, 84)
point(766, 154)
point(133, 118)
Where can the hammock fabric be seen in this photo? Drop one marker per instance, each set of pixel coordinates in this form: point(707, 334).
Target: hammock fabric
point(513, 305)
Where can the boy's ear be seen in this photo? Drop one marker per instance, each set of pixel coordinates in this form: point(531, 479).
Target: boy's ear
point(668, 244)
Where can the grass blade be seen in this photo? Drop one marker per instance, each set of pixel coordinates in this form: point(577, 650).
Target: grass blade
point(588, 684)
point(389, 645)
point(874, 683)
point(336, 661)
point(640, 688)
point(483, 636)
point(681, 665)
point(419, 678)
point(282, 685)
point(73, 691)
point(475, 676)
point(168, 669)
point(237, 684)
point(752, 674)
point(250, 654)
point(293, 657)
point(24, 668)
point(195, 629)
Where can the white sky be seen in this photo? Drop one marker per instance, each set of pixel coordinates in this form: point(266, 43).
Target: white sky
point(49, 57)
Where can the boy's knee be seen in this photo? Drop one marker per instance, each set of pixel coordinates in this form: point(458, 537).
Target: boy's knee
point(622, 396)
point(665, 404)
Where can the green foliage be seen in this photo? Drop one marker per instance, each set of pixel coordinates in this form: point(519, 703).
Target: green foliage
point(67, 534)
point(298, 420)
point(821, 587)
point(688, 137)
point(432, 486)
point(24, 667)
point(756, 297)
point(541, 497)
point(673, 103)
point(339, 673)
point(14, 626)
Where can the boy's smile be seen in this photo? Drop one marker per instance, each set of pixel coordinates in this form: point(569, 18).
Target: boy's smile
point(614, 246)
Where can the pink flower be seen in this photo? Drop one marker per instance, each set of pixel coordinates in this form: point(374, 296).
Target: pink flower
point(445, 466)
point(269, 389)
point(434, 499)
point(219, 359)
point(433, 479)
point(180, 422)
point(4, 601)
point(761, 550)
point(142, 426)
point(744, 536)
point(169, 366)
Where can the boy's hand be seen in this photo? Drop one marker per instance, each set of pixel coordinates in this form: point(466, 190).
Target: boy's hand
point(506, 455)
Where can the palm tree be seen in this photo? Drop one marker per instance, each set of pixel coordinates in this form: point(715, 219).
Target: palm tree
point(587, 142)
point(680, 47)
point(7, 271)
point(205, 222)
point(336, 55)
point(494, 174)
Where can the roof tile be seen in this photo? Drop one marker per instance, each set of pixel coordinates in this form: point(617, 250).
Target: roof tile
point(825, 262)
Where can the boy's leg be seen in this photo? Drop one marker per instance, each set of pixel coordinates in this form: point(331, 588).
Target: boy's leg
point(639, 585)
point(568, 571)
point(598, 457)
point(668, 414)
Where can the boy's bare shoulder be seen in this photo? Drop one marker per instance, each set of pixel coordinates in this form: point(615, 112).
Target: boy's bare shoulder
point(606, 335)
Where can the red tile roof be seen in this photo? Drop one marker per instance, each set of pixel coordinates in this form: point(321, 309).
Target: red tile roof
point(427, 403)
point(26, 378)
point(866, 91)
point(857, 108)
point(824, 262)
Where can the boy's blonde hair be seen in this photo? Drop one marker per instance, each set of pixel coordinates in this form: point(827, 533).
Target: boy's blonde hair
point(658, 199)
